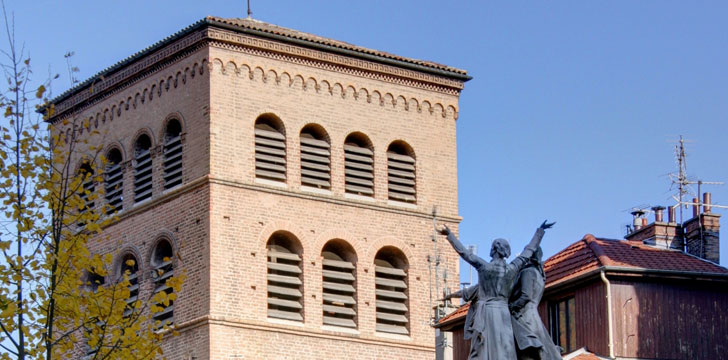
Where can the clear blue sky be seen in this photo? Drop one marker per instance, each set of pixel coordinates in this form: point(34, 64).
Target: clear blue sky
point(572, 114)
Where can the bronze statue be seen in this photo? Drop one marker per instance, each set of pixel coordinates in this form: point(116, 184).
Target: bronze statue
point(533, 342)
point(490, 330)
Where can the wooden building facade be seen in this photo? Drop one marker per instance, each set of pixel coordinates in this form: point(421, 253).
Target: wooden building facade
point(629, 299)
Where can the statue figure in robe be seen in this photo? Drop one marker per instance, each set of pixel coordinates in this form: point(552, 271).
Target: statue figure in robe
point(533, 341)
point(489, 329)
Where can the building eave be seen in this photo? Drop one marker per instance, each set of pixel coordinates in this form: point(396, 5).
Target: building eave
point(635, 272)
point(454, 74)
point(352, 51)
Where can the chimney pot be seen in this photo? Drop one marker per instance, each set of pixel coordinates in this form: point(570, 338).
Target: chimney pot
point(706, 203)
point(696, 207)
point(637, 219)
point(644, 222)
point(659, 210)
point(671, 214)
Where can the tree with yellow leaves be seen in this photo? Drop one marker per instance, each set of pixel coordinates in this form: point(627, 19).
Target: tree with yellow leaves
point(58, 299)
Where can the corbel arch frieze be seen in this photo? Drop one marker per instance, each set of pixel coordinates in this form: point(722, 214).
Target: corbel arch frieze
point(332, 88)
point(172, 78)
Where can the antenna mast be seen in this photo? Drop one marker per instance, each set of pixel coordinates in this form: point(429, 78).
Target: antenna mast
point(250, 13)
point(681, 179)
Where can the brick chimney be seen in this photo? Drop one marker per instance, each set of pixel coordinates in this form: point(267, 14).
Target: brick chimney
point(661, 233)
point(702, 231)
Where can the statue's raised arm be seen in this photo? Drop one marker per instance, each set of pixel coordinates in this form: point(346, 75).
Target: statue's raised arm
point(466, 254)
point(536, 239)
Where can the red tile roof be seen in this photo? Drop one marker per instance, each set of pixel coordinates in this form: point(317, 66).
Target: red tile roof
point(576, 259)
point(591, 253)
point(455, 315)
point(586, 357)
point(582, 354)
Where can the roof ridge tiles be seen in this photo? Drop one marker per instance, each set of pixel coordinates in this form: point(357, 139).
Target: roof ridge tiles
point(599, 253)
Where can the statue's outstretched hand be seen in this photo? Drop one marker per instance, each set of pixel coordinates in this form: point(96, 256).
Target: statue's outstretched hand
point(547, 225)
point(445, 230)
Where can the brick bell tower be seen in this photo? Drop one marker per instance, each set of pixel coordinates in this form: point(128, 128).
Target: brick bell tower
point(290, 176)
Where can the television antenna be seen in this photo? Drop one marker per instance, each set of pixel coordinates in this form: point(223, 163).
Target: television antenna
point(250, 13)
point(683, 183)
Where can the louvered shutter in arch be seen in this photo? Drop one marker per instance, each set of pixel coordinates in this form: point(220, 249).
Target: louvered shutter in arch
point(114, 186)
point(88, 187)
point(163, 263)
point(285, 284)
point(401, 174)
point(270, 150)
point(315, 159)
point(142, 169)
point(391, 294)
point(133, 272)
point(172, 154)
point(358, 166)
point(339, 288)
point(94, 280)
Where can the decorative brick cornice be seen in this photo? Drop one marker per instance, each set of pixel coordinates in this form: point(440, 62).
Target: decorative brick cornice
point(104, 87)
point(331, 87)
point(328, 61)
point(149, 62)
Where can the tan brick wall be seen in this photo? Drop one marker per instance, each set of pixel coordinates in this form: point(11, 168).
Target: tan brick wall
point(246, 211)
point(221, 217)
point(180, 214)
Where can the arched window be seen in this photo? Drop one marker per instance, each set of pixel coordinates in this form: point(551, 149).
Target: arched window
point(401, 172)
point(315, 157)
point(270, 149)
point(172, 154)
point(142, 168)
point(339, 284)
point(285, 281)
point(94, 280)
point(162, 261)
point(359, 165)
point(114, 180)
point(130, 268)
point(391, 291)
point(88, 187)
